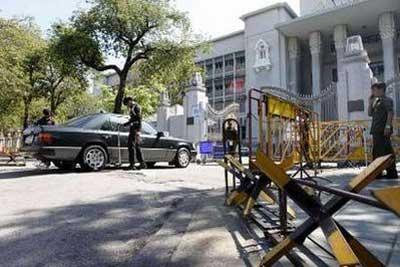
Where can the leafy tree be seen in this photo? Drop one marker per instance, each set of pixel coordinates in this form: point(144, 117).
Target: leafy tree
point(147, 98)
point(132, 30)
point(79, 104)
point(172, 75)
point(60, 80)
point(18, 38)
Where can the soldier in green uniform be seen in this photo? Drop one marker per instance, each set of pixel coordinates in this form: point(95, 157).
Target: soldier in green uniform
point(381, 110)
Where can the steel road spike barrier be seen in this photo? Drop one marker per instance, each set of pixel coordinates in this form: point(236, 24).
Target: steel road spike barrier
point(347, 250)
point(290, 135)
point(390, 197)
point(252, 188)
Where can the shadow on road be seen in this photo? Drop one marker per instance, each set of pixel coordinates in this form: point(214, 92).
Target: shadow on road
point(23, 173)
point(111, 232)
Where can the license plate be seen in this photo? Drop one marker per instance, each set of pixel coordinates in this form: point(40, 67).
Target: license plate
point(29, 140)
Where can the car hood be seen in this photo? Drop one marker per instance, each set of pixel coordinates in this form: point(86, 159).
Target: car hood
point(171, 138)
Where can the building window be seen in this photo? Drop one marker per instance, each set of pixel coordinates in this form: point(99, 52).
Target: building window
point(219, 88)
point(239, 84)
point(263, 57)
point(229, 65)
point(263, 52)
point(209, 69)
point(218, 67)
point(209, 88)
point(240, 61)
point(229, 86)
point(334, 75)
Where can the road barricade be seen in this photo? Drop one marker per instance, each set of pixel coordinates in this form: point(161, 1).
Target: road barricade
point(351, 141)
point(347, 250)
point(289, 135)
point(287, 132)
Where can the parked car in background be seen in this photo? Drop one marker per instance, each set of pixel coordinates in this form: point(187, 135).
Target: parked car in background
point(96, 140)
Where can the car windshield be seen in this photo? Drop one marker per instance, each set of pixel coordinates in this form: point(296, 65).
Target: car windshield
point(147, 129)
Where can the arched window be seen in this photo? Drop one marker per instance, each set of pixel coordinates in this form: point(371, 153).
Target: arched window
point(262, 51)
point(262, 61)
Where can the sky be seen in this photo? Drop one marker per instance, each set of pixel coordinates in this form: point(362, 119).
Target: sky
point(211, 18)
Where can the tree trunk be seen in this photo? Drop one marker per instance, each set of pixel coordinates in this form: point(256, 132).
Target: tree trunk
point(26, 112)
point(53, 106)
point(120, 93)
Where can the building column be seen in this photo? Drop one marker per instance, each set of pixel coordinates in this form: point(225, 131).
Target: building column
point(315, 43)
point(294, 65)
point(340, 37)
point(387, 28)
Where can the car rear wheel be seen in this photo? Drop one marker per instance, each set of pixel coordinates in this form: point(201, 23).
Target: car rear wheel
point(64, 165)
point(94, 158)
point(182, 158)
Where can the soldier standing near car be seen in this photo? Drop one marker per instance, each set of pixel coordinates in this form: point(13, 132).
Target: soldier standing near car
point(135, 125)
point(47, 119)
point(381, 110)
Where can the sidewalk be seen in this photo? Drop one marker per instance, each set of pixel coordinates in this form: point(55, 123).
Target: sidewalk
point(203, 232)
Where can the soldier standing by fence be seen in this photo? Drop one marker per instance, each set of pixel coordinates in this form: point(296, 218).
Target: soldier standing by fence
point(381, 110)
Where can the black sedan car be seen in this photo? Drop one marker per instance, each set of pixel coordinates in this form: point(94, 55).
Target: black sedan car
point(96, 140)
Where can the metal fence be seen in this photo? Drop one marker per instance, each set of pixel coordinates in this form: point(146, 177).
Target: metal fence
point(10, 145)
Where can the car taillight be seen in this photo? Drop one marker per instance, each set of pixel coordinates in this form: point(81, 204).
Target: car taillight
point(45, 138)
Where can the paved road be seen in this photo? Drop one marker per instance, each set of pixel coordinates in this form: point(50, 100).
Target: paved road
point(158, 217)
point(114, 218)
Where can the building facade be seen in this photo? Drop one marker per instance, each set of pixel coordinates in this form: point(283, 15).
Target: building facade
point(307, 55)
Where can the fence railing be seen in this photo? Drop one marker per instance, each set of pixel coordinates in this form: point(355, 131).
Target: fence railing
point(10, 142)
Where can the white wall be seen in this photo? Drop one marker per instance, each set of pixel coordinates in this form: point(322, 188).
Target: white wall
point(311, 6)
point(176, 124)
point(223, 46)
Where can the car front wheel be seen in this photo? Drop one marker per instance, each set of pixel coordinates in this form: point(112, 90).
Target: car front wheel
point(182, 158)
point(94, 158)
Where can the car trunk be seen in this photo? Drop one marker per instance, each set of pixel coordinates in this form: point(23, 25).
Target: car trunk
point(30, 135)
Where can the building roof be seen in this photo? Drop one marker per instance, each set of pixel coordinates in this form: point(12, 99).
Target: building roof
point(360, 15)
point(227, 36)
point(268, 8)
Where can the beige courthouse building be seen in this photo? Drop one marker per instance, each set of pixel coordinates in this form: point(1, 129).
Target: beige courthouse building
point(328, 55)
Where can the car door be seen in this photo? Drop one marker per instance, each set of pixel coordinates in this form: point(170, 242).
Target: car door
point(116, 137)
point(152, 145)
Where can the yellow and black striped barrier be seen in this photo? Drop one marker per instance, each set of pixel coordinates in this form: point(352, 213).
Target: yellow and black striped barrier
point(346, 249)
point(252, 188)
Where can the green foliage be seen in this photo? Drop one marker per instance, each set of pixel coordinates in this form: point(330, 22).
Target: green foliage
point(147, 99)
point(32, 73)
point(136, 31)
point(153, 39)
point(18, 38)
point(171, 68)
point(81, 103)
